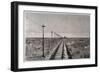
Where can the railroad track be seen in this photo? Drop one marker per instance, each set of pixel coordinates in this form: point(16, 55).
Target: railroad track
point(61, 51)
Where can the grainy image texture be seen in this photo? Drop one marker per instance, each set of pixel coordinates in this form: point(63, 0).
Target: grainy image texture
point(56, 36)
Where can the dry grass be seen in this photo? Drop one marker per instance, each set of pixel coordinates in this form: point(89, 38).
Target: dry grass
point(79, 47)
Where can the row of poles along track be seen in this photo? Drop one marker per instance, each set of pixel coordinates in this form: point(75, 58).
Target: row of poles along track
point(54, 52)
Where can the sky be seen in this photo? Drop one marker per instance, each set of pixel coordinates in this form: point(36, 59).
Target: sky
point(65, 24)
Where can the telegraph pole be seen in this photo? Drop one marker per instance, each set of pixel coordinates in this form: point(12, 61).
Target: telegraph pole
point(51, 39)
point(51, 34)
point(43, 41)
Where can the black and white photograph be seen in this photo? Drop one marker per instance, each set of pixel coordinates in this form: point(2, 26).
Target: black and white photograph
point(56, 36)
point(52, 36)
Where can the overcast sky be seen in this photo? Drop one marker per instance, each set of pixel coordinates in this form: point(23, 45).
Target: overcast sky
point(66, 24)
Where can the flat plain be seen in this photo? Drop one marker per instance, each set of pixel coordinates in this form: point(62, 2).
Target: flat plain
point(74, 48)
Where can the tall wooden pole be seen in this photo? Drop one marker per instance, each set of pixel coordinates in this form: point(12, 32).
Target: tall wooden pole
point(51, 39)
point(43, 40)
